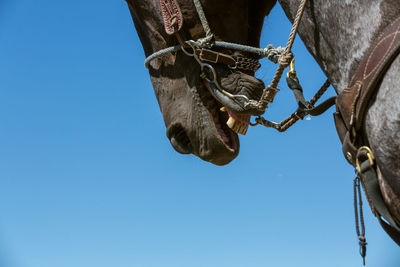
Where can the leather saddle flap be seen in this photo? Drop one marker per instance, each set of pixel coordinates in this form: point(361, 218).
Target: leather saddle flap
point(353, 101)
point(171, 15)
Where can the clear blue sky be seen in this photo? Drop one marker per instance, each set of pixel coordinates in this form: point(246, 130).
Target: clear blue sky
point(88, 177)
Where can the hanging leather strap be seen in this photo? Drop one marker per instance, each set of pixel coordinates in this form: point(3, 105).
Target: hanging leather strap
point(373, 193)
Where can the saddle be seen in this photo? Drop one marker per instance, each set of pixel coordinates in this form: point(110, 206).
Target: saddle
point(351, 107)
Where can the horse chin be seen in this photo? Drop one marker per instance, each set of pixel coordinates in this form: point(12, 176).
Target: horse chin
point(203, 129)
point(219, 144)
point(204, 132)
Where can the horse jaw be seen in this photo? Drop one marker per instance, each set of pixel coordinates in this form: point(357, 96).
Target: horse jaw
point(183, 99)
point(193, 120)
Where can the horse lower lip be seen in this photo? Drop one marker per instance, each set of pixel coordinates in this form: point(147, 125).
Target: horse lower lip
point(226, 135)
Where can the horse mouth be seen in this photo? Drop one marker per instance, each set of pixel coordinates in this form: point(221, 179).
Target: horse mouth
point(220, 118)
point(227, 118)
point(221, 122)
point(211, 131)
point(238, 91)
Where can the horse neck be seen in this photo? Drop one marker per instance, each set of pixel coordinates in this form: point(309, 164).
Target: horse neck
point(339, 33)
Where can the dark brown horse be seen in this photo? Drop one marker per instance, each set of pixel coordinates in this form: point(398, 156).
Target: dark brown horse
point(192, 116)
point(337, 34)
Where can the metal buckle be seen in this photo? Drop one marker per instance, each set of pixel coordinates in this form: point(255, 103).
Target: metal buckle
point(211, 52)
point(370, 156)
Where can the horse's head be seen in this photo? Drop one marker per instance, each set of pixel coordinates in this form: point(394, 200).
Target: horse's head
point(195, 124)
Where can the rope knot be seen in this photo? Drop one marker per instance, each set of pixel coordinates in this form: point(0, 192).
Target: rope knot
point(363, 247)
point(206, 41)
point(285, 59)
point(273, 53)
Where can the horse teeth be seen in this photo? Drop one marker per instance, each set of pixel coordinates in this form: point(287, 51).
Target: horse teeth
point(231, 122)
point(237, 126)
point(223, 109)
point(242, 129)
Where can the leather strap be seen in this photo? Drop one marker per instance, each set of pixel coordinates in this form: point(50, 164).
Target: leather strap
point(351, 106)
point(304, 106)
point(374, 196)
point(171, 15)
point(353, 101)
point(215, 57)
point(233, 62)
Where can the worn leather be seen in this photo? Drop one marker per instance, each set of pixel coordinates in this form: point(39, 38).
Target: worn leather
point(215, 57)
point(172, 16)
point(349, 150)
point(352, 104)
point(353, 101)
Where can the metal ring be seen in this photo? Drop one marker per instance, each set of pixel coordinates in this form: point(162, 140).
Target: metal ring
point(208, 66)
point(246, 99)
point(256, 121)
point(233, 67)
point(186, 52)
point(370, 156)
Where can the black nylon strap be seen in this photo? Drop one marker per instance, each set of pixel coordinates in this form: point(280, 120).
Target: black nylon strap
point(297, 90)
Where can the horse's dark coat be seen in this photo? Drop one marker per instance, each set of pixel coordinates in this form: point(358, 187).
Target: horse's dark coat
point(182, 98)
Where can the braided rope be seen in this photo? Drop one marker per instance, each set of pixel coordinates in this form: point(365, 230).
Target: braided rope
point(269, 52)
point(284, 59)
point(161, 53)
point(298, 115)
point(359, 217)
point(203, 18)
point(296, 23)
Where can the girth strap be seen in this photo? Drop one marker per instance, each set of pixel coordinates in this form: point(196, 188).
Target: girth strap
point(367, 173)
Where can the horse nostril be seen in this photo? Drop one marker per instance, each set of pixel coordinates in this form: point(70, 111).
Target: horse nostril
point(179, 139)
